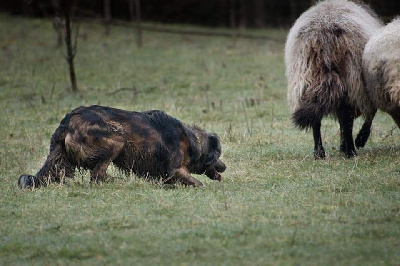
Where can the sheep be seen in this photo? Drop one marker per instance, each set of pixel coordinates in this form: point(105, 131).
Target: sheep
point(381, 69)
point(323, 54)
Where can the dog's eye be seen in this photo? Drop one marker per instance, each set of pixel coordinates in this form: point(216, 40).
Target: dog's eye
point(210, 159)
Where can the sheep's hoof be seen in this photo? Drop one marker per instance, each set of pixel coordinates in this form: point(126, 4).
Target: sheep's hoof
point(27, 181)
point(351, 154)
point(342, 148)
point(360, 141)
point(319, 153)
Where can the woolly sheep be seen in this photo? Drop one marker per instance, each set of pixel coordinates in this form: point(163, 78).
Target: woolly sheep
point(381, 69)
point(323, 54)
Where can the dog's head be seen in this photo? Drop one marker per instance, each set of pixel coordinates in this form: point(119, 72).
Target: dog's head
point(209, 162)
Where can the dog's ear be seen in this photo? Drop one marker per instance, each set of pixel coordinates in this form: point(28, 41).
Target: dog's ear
point(213, 149)
point(213, 142)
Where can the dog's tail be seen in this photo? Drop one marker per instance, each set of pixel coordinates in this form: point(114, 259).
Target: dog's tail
point(57, 164)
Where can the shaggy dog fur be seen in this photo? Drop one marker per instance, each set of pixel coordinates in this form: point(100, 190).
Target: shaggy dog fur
point(381, 68)
point(323, 55)
point(149, 144)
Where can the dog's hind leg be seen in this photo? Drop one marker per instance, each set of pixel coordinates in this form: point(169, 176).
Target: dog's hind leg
point(99, 172)
point(103, 158)
point(184, 176)
point(56, 168)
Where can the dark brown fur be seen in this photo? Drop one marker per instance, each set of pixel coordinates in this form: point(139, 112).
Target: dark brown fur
point(150, 144)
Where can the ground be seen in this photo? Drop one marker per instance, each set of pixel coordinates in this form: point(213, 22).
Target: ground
point(275, 205)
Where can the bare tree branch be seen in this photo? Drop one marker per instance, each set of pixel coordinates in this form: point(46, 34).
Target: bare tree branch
point(76, 27)
point(70, 50)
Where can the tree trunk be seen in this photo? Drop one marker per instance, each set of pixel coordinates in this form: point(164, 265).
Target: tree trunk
point(139, 41)
point(293, 12)
point(107, 16)
point(57, 21)
point(259, 13)
point(131, 10)
point(243, 14)
point(232, 21)
point(71, 51)
point(223, 8)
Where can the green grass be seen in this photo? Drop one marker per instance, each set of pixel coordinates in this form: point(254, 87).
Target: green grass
point(276, 204)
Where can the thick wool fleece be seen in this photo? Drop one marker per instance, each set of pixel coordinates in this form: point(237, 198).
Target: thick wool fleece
point(381, 67)
point(323, 57)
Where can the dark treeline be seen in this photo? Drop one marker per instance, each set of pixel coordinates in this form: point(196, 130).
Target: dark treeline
point(226, 13)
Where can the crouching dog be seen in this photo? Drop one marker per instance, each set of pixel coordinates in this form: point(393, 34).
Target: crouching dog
point(149, 144)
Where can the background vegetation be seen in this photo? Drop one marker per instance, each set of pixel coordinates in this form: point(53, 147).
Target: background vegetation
point(222, 13)
point(275, 205)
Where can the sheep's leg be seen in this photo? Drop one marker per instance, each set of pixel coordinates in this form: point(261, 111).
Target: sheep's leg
point(319, 152)
point(365, 131)
point(396, 116)
point(346, 120)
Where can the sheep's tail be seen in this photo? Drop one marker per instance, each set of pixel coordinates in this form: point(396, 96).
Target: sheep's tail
point(320, 100)
point(305, 118)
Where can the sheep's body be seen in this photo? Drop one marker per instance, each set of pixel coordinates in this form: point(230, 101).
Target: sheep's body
point(381, 68)
point(323, 55)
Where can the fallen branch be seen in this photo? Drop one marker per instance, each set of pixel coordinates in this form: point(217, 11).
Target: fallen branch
point(163, 29)
point(122, 89)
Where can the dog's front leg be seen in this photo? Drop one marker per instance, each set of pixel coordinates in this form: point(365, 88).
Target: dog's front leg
point(184, 176)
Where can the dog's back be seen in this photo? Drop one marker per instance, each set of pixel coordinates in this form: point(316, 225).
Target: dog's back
point(145, 143)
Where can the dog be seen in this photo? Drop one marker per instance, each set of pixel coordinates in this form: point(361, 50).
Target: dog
point(150, 144)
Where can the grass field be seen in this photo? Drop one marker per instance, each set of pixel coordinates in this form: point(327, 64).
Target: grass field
point(275, 205)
